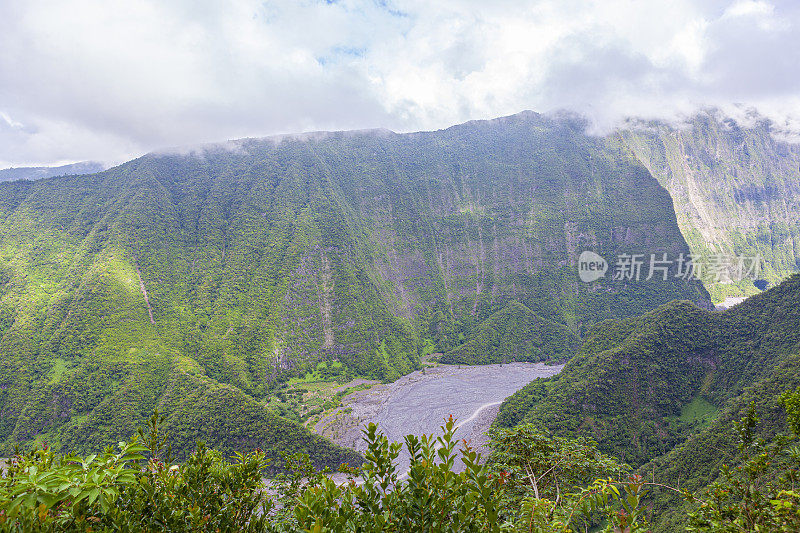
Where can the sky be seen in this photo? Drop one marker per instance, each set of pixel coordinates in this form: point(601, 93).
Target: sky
point(109, 80)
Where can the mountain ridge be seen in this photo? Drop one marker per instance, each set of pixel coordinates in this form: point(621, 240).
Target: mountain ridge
point(34, 173)
point(260, 263)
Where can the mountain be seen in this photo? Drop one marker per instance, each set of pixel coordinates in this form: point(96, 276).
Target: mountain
point(199, 280)
point(515, 333)
point(735, 189)
point(35, 173)
point(663, 390)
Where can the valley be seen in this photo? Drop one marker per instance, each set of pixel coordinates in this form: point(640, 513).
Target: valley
point(193, 280)
point(270, 297)
point(396, 266)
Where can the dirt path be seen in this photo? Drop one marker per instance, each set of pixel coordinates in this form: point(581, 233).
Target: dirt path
point(419, 403)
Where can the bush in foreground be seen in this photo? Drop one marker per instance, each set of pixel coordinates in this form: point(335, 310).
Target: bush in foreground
point(533, 482)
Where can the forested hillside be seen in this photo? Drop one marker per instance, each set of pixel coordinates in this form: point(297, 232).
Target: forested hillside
point(736, 191)
point(195, 280)
point(515, 333)
point(664, 390)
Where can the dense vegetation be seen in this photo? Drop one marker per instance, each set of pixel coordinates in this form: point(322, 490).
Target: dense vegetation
point(532, 482)
point(515, 333)
point(196, 281)
point(663, 391)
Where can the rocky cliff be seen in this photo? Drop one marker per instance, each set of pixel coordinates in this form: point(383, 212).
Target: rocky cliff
point(736, 193)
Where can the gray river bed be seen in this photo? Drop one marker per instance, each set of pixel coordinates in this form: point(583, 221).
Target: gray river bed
point(419, 403)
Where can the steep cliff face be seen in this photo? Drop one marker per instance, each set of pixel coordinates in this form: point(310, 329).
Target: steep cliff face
point(736, 192)
point(225, 270)
point(461, 222)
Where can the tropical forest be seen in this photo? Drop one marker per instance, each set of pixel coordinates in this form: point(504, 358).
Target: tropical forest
point(427, 310)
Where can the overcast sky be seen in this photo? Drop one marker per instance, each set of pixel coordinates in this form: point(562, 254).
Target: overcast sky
point(109, 80)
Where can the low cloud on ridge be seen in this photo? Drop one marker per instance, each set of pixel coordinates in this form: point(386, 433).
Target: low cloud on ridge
point(109, 80)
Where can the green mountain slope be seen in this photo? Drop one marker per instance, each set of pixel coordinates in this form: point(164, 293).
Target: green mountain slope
point(234, 267)
point(735, 190)
point(665, 388)
point(698, 460)
point(632, 379)
point(515, 333)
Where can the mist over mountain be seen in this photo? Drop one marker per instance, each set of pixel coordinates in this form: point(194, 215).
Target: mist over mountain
point(35, 173)
point(388, 266)
point(212, 282)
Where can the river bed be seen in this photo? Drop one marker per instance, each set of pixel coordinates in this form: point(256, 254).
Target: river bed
point(419, 403)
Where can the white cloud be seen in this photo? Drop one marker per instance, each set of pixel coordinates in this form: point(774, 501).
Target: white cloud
point(10, 122)
point(745, 8)
point(92, 79)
